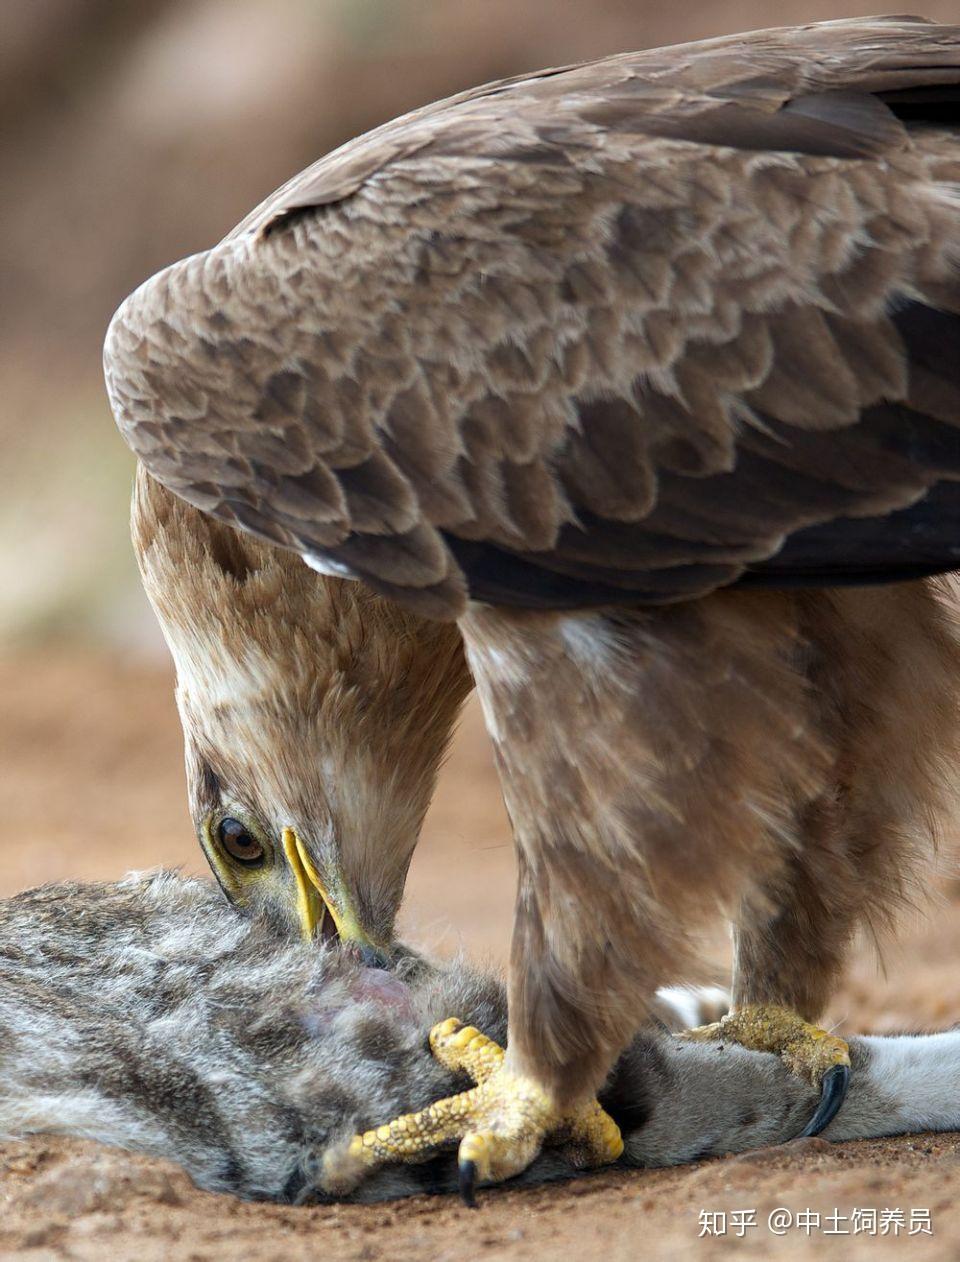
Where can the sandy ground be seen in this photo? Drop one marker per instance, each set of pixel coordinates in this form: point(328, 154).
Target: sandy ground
point(91, 787)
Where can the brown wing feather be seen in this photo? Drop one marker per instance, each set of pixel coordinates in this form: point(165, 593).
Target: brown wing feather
point(612, 332)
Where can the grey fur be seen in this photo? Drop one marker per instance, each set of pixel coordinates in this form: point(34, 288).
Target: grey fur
point(150, 1015)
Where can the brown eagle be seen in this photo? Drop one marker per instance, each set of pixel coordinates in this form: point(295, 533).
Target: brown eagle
point(639, 381)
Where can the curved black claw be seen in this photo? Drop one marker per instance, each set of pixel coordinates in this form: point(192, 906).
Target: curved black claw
point(833, 1092)
point(468, 1183)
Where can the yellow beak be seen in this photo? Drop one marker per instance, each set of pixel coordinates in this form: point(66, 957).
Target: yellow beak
point(314, 903)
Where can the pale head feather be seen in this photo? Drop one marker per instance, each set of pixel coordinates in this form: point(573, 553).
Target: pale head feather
point(306, 700)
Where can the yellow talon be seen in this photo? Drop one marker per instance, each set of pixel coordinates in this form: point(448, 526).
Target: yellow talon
point(813, 1054)
point(807, 1050)
point(500, 1124)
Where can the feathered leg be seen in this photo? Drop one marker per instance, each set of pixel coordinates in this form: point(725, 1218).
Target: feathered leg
point(652, 764)
point(889, 720)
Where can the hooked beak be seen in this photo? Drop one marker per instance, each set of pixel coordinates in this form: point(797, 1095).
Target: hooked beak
point(316, 908)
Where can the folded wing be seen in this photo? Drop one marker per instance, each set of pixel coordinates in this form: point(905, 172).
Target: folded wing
point(624, 332)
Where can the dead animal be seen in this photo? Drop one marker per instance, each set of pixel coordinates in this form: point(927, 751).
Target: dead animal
point(150, 1015)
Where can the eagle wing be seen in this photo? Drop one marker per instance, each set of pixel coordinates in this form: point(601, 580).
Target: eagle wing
point(617, 333)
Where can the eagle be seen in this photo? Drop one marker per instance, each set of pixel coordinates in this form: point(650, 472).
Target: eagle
point(629, 393)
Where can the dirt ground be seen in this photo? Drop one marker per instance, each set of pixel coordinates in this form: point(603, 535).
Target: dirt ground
point(91, 787)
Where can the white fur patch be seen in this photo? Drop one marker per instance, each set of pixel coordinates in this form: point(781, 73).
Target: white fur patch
point(694, 1005)
point(920, 1076)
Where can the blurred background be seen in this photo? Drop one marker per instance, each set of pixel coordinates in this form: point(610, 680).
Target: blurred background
point(132, 134)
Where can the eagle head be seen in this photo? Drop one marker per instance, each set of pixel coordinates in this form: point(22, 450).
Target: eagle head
point(315, 718)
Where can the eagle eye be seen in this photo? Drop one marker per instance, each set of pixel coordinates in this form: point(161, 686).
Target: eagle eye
point(237, 841)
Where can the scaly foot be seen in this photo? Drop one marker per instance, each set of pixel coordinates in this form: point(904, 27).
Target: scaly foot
point(811, 1053)
point(500, 1124)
